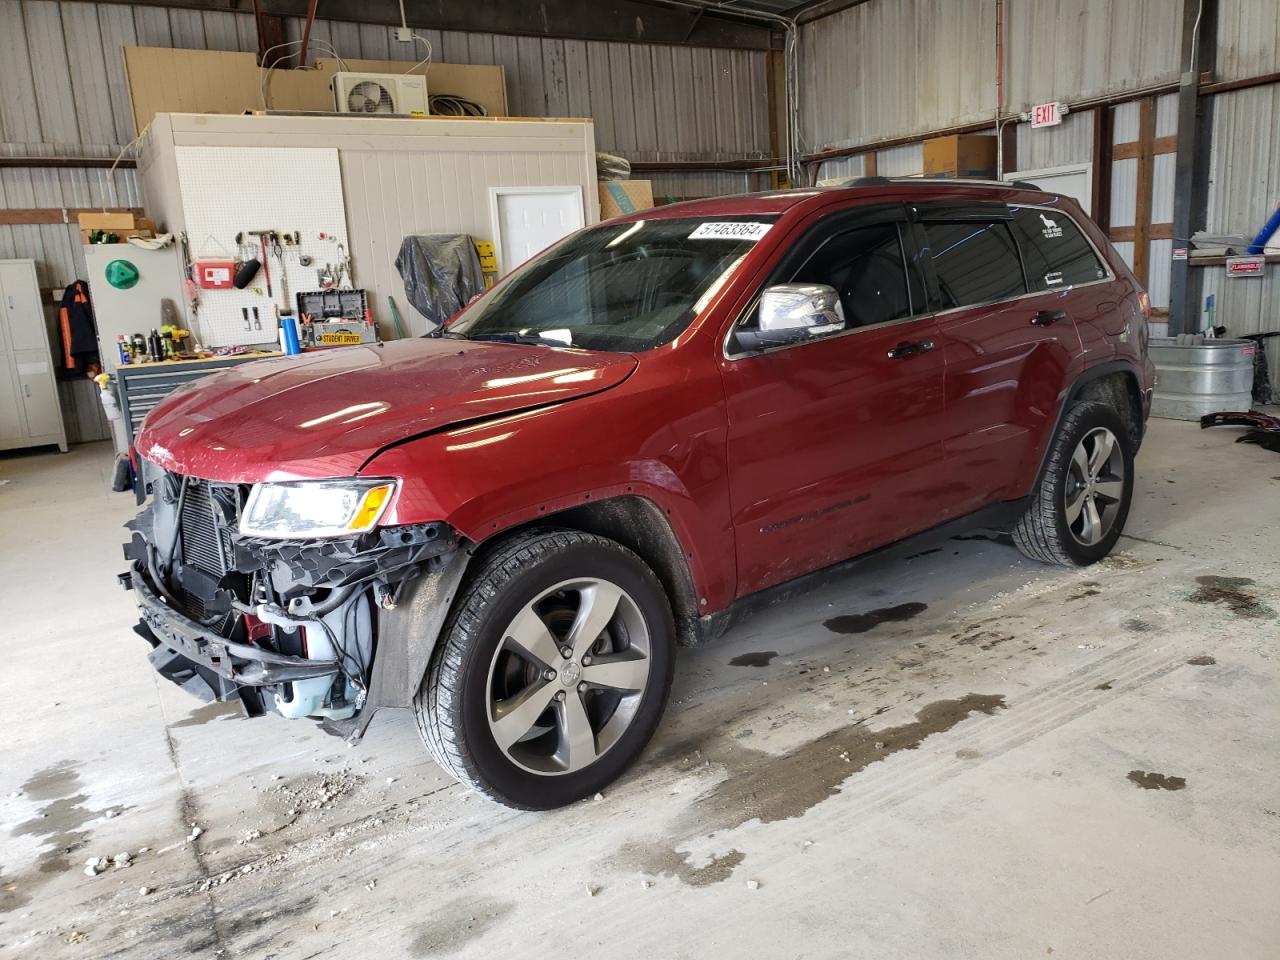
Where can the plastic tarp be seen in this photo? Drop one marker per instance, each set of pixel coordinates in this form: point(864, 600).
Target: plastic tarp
point(441, 273)
point(611, 167)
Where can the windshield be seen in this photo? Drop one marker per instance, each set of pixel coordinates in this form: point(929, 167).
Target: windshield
point(626, 287)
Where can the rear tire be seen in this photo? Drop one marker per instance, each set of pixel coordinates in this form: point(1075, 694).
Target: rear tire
point(507, 713)
point(1080, 505)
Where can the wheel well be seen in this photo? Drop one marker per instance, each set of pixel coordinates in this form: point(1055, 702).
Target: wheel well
point(640, 525)
point(1120, 391)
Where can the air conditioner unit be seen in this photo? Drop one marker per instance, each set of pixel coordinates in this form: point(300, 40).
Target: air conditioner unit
point(379, 92)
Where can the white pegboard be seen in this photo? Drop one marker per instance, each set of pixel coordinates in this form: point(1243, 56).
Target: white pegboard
point(230, 190)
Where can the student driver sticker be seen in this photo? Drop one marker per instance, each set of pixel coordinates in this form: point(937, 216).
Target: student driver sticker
point(730, 230)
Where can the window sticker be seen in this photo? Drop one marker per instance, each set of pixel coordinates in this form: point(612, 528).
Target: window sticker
point(730, 230)
point(1051, 229)
point(1051, 279)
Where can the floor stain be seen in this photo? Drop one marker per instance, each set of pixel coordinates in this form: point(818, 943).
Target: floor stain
point(13, 893)
point(456, 925)
point(54, 782)
point(1204, 660)
point(1084, 593)
point(1230, 592)
point(975, 635)
point(923, 553)
point(214, 710)
point(772, 787)
point(862, 622)
point(59, 822)
point(1002, 538)
point(760, 658)
point(1104, 686)
point(247, 921)
point(1137, 625)
point(1156, 781)
point(659, 860)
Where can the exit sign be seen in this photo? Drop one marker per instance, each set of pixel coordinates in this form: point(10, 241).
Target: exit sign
point(1046, 115)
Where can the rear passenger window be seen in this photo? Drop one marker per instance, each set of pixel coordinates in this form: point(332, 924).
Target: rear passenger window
point(975, 262)
point(866, 268)
point(1055, 251)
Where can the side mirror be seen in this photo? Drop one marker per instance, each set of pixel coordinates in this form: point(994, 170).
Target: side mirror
point(793, 313)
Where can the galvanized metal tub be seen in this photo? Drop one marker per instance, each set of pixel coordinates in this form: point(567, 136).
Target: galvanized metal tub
point(1201, 376)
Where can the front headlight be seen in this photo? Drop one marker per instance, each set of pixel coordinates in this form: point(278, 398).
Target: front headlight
point(305, 509)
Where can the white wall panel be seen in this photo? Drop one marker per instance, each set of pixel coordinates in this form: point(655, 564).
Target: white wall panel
point(903, 161)
point(1070, 142)
point(1159, 269)
point(1244, 170)
point(1124, 192)
point(1248, 38)
point(890, 68)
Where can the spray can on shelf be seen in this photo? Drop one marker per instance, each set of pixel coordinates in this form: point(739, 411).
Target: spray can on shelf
point(122, 348)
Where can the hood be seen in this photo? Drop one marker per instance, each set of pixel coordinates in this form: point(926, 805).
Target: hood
point(325, 414)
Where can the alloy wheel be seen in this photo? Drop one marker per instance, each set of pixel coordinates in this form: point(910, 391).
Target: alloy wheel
point(1095, 486)
point(568, 676)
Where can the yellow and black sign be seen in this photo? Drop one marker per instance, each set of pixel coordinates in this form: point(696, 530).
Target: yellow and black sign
point(339, 339)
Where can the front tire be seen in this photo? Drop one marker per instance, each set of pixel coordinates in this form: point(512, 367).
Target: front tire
point(1080, 505)
point(552, 671)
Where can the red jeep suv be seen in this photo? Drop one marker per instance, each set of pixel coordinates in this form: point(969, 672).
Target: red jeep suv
point(627, 444)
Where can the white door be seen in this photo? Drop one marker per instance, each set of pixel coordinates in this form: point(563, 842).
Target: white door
point(12, 424)
point(1074, 180)
point(22, 308)
point(527, 220)
point(39, 393)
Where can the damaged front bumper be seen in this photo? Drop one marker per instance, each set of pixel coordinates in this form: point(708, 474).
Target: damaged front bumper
point(313, 628)
point(208, 665)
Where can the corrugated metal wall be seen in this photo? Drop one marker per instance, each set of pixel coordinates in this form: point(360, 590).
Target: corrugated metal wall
point(892, 68)
point(65, 94)
point(1071, 142)
point(1244, 187)
point(1248, 38)
point(1074, 49)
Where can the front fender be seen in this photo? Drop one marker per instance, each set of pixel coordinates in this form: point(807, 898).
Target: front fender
point(486, 479)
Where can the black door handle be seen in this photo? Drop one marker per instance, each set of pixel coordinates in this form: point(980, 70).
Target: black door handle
point(910, 349)
point(1047, 318)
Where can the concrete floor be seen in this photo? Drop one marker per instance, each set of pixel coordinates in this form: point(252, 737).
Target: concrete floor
point(962, 754)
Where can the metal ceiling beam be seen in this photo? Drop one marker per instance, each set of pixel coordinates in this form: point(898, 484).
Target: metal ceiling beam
point(634, 21)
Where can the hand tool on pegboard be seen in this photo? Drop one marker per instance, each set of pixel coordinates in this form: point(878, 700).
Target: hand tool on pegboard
point(266, 267)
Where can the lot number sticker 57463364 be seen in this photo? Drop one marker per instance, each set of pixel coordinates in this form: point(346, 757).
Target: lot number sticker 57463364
point(730, 230)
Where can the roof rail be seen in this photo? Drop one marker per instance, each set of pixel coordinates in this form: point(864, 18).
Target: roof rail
point(971, 182)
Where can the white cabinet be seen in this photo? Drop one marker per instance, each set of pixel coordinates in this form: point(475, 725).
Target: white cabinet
point(29, 412)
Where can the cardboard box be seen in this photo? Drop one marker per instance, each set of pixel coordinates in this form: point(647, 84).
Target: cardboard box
point(960, 156)
point(619, 197)
point(124, 225)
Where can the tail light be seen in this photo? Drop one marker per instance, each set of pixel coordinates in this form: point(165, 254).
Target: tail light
point(1144, 302)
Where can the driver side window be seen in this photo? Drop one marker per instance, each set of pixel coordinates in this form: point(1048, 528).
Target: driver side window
point(867, 268)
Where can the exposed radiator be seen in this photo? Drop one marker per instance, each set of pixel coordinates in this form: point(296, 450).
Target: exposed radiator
point(206, 542)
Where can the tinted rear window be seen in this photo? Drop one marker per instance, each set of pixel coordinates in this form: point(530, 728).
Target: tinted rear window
point(1056, 253)
point(975, 262)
